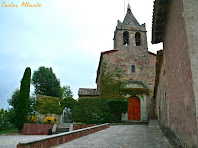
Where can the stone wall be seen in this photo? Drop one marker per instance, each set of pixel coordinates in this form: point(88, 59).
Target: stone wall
point(36, 128)
point(176, 105)
point(57, 139)
point(77, 127)
point(144, 61)
point(191, 22)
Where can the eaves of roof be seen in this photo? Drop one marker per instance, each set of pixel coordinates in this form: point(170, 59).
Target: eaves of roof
point(160, 13)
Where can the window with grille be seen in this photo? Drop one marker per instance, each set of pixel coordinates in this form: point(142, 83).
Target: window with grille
point(133, 68)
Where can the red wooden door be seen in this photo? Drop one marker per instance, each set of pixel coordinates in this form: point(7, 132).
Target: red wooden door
point(134, 109)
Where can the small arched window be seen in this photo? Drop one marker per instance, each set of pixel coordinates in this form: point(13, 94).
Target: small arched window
point(138, 39)
point(126, 38)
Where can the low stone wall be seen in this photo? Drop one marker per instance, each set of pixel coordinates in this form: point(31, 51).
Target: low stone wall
point(76, 127)
point(57, 139)
point(36, 128)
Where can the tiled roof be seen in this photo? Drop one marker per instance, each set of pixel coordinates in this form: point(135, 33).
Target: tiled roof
point(87, 92)
point(151, 53)
point(160, 12)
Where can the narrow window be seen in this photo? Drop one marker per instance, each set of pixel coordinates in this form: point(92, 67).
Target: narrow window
point(132, 68)
point(126, 38)
point(138, 39)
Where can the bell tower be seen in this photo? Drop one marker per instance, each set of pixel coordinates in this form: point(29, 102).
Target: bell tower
point(129, 34)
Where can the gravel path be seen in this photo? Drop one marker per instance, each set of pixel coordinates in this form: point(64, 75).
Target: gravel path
point(11, 141)
point(122, 136)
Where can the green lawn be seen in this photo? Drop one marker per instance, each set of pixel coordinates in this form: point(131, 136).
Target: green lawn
point(9, 131)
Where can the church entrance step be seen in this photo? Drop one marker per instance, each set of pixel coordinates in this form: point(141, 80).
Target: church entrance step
point(62, 130)
point(135, 122)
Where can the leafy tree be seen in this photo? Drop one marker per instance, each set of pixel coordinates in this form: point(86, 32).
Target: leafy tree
point(32, 104)
point(13, 99)
point(68, 102)
point(23, 100)
point(11, 115)
point(46, 83)
point(118, 107)
point(4, 122)
point(66, 92)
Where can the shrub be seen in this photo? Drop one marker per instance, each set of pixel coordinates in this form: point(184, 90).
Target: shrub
point(91, 110)
point(4, 120)
point(68, 102)
point(47, 104)
point(118, 107)
point(50, 120)
point(32, 119)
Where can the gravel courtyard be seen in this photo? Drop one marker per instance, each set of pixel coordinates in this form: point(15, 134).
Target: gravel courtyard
point(11, 141)
point(123, 136)
point(119, 136)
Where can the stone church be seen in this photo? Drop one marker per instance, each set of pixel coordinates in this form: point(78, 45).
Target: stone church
point(131, 55)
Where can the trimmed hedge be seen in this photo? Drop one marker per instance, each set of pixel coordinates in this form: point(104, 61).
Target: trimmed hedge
point(91, 110)
point(118, 107)
point(47, 104)
point(68, 102)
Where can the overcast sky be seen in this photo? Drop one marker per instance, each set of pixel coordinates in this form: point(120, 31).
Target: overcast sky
point(67, 35)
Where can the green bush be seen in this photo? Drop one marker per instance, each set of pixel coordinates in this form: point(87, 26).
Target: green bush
point(47, 104)
point(68, 102)
point(12, 130)
point(91, 110)
point(118, 107)
point(4, 120)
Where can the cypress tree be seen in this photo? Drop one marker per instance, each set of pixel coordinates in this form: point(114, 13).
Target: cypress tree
point(23, 100)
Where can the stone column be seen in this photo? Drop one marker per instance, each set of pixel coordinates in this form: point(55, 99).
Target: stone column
point(143, 110)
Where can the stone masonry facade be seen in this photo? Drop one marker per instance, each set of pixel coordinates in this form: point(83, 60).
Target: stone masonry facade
point(177, 70)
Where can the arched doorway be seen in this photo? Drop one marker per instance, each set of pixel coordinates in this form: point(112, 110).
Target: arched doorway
point(134, 109)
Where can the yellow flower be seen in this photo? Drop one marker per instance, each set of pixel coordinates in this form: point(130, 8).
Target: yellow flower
point(32, 119)
point(51, 120)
